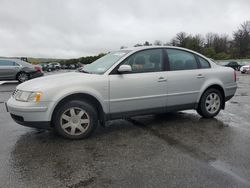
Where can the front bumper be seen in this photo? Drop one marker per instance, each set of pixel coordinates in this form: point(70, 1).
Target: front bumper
point(29, 114)
point(245, 70)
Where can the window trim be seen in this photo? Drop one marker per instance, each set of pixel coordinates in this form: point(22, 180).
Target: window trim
point(115, 70)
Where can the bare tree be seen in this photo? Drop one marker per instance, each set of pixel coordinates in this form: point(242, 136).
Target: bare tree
point(241, 41)
point(158, 43)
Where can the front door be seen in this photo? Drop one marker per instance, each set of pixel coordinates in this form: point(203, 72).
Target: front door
point(143, 89)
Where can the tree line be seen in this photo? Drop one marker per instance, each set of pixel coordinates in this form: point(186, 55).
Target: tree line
point(82, 60)
point(213, 45)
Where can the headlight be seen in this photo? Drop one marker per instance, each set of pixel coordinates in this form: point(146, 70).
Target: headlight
point(27, 96)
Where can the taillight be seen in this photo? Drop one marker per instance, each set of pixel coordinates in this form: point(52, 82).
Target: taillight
point(235, 76)
point(38, 69)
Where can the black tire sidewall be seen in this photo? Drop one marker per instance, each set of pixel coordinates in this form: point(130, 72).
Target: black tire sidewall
point(80, 104)
point(202, 109)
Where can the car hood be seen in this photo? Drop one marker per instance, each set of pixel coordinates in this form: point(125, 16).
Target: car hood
point(54, 81)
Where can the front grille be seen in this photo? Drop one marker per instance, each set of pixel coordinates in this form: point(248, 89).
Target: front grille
point(14, 93)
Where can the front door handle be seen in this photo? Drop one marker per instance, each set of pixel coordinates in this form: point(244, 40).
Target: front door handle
point(162, 79)
point(200, 76)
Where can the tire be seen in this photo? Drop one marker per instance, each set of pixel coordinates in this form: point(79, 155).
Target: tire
point(22, 77)
point(210, 103)
point(75, 120)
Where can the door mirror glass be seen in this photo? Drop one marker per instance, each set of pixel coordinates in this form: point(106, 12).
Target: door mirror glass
point(125, 69)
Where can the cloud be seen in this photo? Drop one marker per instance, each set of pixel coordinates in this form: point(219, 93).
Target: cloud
point(68, 29)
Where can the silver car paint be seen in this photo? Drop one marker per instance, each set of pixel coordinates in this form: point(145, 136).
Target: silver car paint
point(122, 93)
point(10, 72)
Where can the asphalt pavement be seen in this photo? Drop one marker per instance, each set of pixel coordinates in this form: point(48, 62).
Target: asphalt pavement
point(171, 150)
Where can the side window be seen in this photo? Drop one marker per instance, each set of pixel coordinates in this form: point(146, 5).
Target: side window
point(181, 60)
point(146, 61)
point(6, 63)
point(16, 64)
point(204, 63)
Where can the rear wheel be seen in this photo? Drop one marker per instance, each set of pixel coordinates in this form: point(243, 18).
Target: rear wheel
point(210, 103)
point(22, 77)
point(76, 120)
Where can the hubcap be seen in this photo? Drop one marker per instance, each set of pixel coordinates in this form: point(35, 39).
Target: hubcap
point(23, 77)
point(75, 121)
point(212, 103)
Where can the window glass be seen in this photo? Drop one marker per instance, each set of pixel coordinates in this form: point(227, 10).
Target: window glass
point(101, 65)
point(181, 60)
point(204, 63)
point(146, 61)
point(233, 63)
point(15, 64)
point(6, 63)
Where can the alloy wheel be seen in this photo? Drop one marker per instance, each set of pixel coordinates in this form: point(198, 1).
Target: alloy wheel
point(212, 103)
point(75, 121)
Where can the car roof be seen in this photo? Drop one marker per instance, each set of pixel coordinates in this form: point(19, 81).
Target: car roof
point(19, 61)
point(139, 48)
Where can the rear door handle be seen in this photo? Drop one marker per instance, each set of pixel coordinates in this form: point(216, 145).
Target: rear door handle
point(200, 76)
point(162, 79)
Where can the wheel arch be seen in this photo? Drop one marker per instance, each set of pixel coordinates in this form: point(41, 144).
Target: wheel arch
point(81, 96)
point(218, 87)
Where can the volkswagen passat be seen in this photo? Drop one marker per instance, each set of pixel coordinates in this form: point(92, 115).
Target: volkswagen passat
point(122, 84)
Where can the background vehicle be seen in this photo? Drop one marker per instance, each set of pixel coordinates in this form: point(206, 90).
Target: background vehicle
point(44, 66)
point(245, 68)
point(122, 84)
point(50, 67)
point(16, 69)
point(232, 64)
point(57, 66)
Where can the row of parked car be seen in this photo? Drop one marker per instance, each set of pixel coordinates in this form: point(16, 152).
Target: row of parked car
point(243, 67)
point(17, 69)
point(49, 67)
point(20, 70)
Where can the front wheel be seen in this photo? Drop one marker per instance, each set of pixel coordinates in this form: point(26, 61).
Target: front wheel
point(210, 103)
point(75, 120)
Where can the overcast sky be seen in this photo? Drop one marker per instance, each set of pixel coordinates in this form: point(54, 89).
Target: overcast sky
point(75, 28)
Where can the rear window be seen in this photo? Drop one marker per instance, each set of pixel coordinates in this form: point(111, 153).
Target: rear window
point(181, 60)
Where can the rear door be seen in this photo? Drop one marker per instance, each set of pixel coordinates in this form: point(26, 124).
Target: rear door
point(185, 78)
point(143, 89)
point(8, 69)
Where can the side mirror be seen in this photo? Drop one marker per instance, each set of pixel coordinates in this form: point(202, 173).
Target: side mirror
point(124, 69)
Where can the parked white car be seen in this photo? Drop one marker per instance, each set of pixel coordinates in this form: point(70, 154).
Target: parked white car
point(245, 68)
point(123, 83)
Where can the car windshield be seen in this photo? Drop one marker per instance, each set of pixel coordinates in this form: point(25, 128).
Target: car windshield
point(101, 65)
